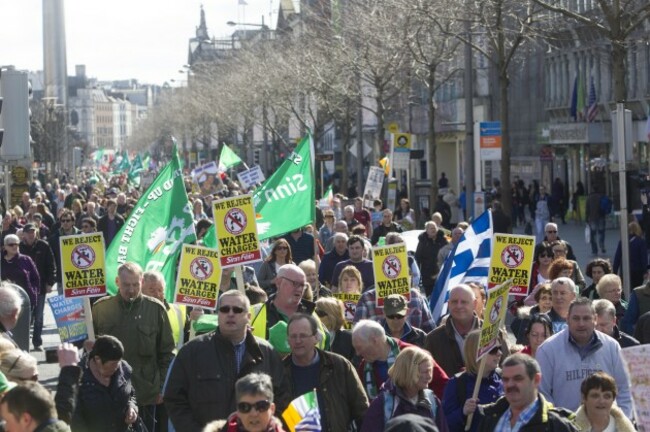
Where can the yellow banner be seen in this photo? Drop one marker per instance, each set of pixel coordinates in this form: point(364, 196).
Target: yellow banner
point(199, 275)
point(493, 317)
point(237, 240)
point(349, 306)
point(512, 258)
point(391, 267)
point(83, 265)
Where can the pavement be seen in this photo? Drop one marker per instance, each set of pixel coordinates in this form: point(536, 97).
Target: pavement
point(573, 232)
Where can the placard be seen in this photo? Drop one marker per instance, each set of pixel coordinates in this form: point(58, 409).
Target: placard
point(83, 266)
point(199, 276)
point(493, 318)
point(391, 267)
point(512, 258)
point(349, 307)
point(251, 177)
point(234, 220)
point(69, 318)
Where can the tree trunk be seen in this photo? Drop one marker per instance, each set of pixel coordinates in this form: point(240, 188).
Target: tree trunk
point(431, 138)
point(506, 190)
point(381, 130)
point(345, 146)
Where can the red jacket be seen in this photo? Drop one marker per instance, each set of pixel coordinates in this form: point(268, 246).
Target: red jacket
point(437, 384)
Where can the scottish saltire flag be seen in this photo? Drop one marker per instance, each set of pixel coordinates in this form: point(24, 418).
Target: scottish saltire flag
point(592, 103)
point(303, 413)
point(469, 261)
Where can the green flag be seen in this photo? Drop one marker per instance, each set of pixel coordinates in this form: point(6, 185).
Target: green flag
point(286, 201)
point(228, 158)
point(135, 170)
point(156, 229)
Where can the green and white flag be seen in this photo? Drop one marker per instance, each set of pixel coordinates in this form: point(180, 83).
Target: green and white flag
point(328, 197)
point(286, 200)
point(228, 158)
point(155, 230)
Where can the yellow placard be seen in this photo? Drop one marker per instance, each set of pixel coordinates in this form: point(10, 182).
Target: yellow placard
point(493, 317)
point(234, 220)
point(83, 265)
point(391, 267)
point(349, 306)
point(199, 275)
point(512, 258)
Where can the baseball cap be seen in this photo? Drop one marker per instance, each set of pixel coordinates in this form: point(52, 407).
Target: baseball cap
point(395, 304)
point(29, 227)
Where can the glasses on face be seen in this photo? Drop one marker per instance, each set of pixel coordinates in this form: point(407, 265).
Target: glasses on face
point(246, 407)
point(234, 309)
point(395, 317)
point(495, 350)
point(296, 284)
point(551, 232)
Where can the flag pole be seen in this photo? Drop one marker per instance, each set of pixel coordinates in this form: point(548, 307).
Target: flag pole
point(477, 386)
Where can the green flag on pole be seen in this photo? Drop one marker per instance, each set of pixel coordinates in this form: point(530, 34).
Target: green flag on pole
point(155, 230)
point(228, 158)
point(286, 200)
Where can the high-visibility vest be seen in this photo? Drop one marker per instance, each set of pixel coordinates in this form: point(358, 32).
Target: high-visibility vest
point(259, 320)
point(177, 315)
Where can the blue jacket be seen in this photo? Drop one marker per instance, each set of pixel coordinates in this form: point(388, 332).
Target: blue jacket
point(491, 389)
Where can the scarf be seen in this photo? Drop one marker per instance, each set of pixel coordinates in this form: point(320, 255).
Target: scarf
point(370, 378)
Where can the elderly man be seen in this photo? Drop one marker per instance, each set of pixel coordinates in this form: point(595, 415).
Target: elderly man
point(201, 385)
point(339, 227)
point(444, 252)
point(355, 249)
point(41, 253)
point(387, 226)
point(140, 322)
point(341, 398)
point(606, 323)
point(426, 254)
point(571, 355)
point(153, 285)
point(522, 407)
point(446, 343)
point(378, 353)
point(338, 253)
point(269, 320)
point(551, 235)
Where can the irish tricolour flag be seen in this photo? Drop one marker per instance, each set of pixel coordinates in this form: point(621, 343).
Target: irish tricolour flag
point(303, 414)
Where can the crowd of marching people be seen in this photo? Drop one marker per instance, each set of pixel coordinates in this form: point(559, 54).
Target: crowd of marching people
point(293, 330)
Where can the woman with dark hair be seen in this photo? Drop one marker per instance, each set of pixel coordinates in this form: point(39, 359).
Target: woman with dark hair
point(48, 217)
point(106, 398)
point(280, 255)
point(255, 406)
point(539, 329)
point(596, 269)
point(542, 297)
point(562, 266)
point(404, 215)
point(541, 266)
point(598, 411)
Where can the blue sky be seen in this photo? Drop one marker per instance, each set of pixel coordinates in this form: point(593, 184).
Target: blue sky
point(122, 39)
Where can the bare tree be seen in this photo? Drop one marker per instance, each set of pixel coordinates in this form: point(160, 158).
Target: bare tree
point(615, 21)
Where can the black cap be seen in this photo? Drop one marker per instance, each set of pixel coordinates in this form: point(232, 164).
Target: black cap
point(29, 227)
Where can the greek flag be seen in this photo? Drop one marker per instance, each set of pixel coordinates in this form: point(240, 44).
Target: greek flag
point(469, 261)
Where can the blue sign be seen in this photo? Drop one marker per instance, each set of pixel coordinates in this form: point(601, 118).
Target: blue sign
point(492, 128)
point(69, 316)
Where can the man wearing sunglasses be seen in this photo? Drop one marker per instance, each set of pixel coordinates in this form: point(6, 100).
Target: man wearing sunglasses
point(550, 235)
point(201, 384)
point(64, 227)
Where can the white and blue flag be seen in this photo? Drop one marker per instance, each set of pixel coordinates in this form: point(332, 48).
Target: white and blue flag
point(469, 261)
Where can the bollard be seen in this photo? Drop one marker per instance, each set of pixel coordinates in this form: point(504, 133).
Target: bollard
point(21, 331)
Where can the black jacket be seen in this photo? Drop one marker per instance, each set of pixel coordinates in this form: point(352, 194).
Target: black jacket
point(426, 255)
point(41, 253)
point(547, 417)
point(201, 383)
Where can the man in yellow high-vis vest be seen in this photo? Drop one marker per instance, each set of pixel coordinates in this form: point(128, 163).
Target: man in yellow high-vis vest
point(153, 285)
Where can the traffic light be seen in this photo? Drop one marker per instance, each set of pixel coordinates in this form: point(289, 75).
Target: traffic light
point(14, 116)
point(256, 157)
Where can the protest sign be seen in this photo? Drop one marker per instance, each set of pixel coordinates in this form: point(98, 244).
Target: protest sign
point(349, 306)
point(83, 268)
point(234, 220)
point(206, 178)
point(493, 317)
point(512, 258)
point(374, 183)
point(69, 317)
point(199, 276)
point(636, 362)
point(391, 267)
point(251, 177)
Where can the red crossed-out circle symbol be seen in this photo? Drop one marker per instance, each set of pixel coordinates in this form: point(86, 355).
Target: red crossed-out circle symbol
point(512, 256)
point(201, 268)
point(83, 256)
point(391, 266)
point(235, 221)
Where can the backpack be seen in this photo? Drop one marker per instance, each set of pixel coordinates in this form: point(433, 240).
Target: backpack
point(390, 406)
point(605, 205)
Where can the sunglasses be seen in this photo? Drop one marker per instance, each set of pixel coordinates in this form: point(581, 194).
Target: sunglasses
point(320, 313)
point(495, 350)
point(245, 407)
point(234, 309)
point(551, 232)
point(395, 317)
